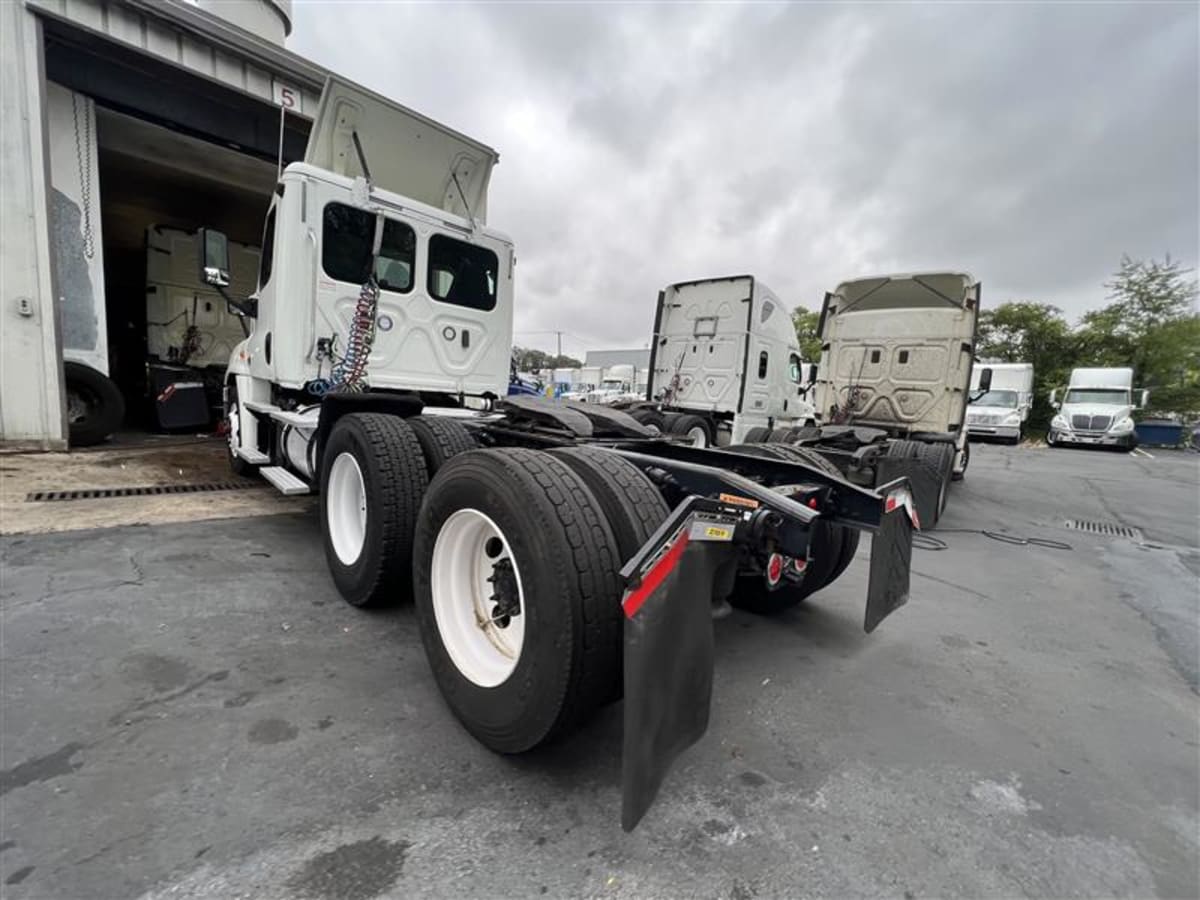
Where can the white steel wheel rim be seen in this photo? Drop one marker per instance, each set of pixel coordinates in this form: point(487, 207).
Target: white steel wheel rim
point(346, 508)
point(697, 435)
point(484, 647)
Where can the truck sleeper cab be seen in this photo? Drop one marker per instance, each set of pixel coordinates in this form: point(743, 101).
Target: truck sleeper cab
point(724, 361)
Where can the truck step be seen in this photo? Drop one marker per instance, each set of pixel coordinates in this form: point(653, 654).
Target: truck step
point(257, 406)
point(284, 481)
point(253, 456)
point(291, 418)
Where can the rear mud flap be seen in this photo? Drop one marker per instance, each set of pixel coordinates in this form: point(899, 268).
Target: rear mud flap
point(891, 567)
point(924, 482)
point(668, 665)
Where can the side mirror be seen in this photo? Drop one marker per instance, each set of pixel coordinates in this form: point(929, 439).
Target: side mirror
point(1145, 398)
point(985, 380)
point(214, 258)
point(1054, 398)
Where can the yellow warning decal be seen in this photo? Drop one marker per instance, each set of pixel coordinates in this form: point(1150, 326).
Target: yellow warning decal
point(735, 500)
point(718, 534)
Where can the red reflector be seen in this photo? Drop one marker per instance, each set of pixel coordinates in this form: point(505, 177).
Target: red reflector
point(774, 569)
point(812, 502)
point(891, 504)
point(799, 564)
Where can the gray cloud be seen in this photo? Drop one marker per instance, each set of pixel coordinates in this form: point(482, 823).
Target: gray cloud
point(806, 143)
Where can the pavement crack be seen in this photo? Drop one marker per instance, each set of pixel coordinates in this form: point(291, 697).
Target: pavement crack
point(120, 717)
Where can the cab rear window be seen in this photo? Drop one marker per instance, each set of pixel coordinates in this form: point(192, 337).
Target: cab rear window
point(462, 274)
point(347, 234)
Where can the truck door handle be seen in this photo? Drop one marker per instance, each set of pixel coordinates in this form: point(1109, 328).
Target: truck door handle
point(466, 339)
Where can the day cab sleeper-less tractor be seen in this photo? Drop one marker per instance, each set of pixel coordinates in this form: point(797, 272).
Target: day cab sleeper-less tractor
point(560, 555)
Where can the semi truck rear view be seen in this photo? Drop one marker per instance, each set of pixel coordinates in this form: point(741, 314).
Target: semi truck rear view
point(893, 381)
point(559, 555)
point(724, 361)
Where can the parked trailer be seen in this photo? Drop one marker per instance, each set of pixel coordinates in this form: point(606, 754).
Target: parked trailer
point(560, 555)
point(893, 383)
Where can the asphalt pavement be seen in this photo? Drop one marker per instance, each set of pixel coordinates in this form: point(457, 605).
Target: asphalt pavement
point(190, 710)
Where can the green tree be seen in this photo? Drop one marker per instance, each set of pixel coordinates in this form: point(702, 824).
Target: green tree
point(1152, 325)
point(1037, 333)
point(805, 323)
point(529, 359)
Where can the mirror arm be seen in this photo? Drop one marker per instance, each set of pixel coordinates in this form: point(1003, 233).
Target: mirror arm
point(247, 307)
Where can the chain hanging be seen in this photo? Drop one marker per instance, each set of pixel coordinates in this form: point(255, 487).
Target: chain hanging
point(83, 155)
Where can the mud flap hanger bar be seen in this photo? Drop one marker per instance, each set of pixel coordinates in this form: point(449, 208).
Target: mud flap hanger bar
point(693, 468)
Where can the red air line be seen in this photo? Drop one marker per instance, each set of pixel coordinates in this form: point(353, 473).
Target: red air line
point(652, 579)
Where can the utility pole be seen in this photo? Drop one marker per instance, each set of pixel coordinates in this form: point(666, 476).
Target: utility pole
point(558, 356)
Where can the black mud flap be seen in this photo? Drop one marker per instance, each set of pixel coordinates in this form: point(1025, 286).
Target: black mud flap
point(924, 482)
point(668, 662)
point(891, 567)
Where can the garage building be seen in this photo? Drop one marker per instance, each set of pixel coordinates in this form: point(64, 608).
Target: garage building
point(127, 126)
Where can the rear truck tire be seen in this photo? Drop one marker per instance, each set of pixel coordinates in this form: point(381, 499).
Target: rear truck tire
point(697, 428)
point(95, 407)
point(518, 596)
point(919, 450)
point(372, 481)
point(941, 457)
point(756, 435)
point(440, 439)
point(651, 418)
point(233, 424)
point(751, 592)
point(779, 435)
point(628, 498)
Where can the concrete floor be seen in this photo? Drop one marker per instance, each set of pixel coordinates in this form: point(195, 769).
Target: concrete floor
point(191, 711)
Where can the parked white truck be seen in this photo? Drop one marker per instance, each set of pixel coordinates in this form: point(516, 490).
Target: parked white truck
point(893, 383)
point(1097, 408)
point(724, 363)
point(559, 554)
point(1000, 411)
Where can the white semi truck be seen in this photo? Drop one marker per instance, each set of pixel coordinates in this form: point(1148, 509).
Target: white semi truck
point(725, 366)
point(560, 555)
point(1097, 409)
point(894, 381)
point(1001, 411)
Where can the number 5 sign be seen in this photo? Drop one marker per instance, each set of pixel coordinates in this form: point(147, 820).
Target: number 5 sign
point(287, 96)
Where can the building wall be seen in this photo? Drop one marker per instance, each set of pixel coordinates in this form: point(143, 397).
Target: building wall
point(31, 405)
point(606, 358)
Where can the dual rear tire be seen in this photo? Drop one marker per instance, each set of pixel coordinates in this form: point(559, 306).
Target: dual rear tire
point(513, 557)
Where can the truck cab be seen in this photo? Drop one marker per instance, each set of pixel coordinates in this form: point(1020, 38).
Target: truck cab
point(1096, 408)
point(377, 273)
point(725, 359)
point(897, 353)
point(1000, 411)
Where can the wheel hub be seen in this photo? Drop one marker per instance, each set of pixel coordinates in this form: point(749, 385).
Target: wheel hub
point(507, 598)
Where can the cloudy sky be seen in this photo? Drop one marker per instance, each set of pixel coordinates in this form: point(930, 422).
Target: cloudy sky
point(640, 144)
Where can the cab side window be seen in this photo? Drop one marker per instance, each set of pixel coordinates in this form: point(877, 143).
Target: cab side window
point(267, 255)
point(794, 368)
